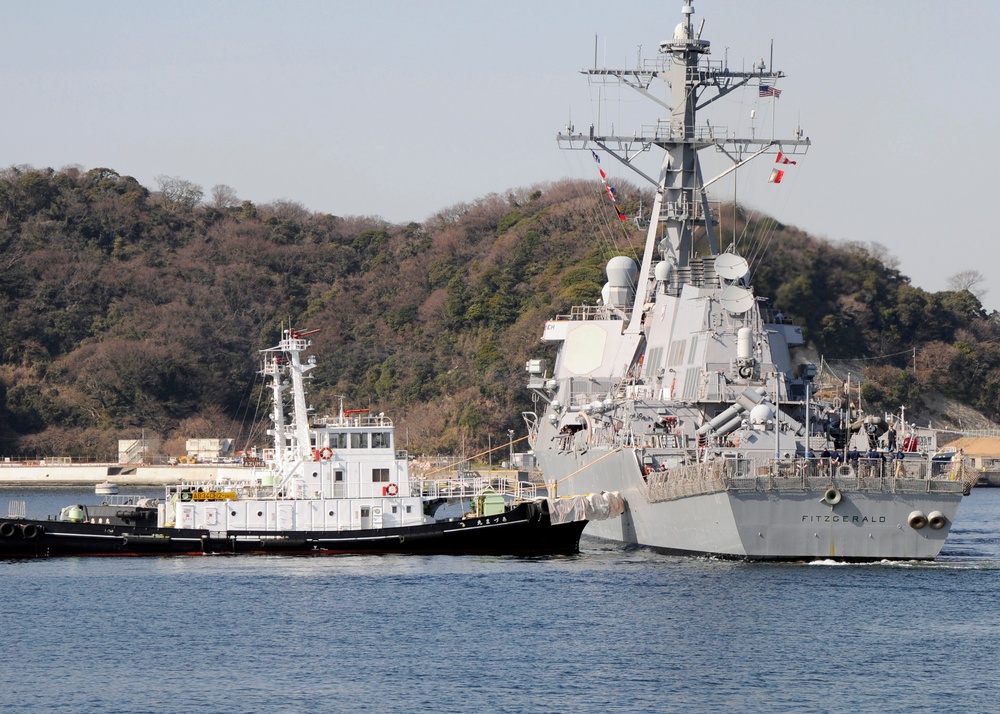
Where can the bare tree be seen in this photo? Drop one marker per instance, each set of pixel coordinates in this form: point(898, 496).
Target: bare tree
point(286, 210)
point(880, 252)
point(224, 196)
point(971, 280)
point(179, 193)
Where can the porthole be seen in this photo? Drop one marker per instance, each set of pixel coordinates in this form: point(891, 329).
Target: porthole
point(260, 513)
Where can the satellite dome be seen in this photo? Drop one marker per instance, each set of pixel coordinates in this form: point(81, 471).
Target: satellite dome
point(760, 414)
point(621, 272)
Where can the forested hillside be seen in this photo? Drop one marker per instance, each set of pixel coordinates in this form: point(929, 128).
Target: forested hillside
point(129, 311)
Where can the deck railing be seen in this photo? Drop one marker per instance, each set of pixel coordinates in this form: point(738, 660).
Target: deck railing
point(805, 475)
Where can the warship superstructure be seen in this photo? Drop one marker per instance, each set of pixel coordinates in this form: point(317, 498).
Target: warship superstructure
point(679, 389)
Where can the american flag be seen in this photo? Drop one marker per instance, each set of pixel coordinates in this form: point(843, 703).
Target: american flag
point(769, 92)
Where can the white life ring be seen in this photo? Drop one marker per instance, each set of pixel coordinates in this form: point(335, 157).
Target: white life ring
point(326, 453)
point(391, 490)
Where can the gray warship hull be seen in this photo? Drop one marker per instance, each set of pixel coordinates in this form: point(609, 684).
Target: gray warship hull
point(767, 517)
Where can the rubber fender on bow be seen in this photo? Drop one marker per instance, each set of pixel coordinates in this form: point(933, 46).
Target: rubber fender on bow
point(531, 512)
point(7, 529)
point(30, 530)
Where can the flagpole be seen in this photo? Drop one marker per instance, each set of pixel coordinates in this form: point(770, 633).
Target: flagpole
point(774, 105)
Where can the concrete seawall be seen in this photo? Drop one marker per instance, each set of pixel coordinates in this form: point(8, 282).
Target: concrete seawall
point(41, 474)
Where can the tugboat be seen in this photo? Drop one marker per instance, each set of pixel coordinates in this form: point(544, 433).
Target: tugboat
point(336, 486)
point(679, 390)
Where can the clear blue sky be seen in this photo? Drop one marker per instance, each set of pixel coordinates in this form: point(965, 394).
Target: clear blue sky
point(401, 109)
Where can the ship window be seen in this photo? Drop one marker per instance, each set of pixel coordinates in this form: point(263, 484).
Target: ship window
point(380, 440)
point(394, 509)
point(380, 475)
point(409, 509)
point(338, 476)
point(338, 440)
point(359, 440)
point(365, 512)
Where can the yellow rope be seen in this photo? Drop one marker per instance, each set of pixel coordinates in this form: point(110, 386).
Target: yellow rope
point(451, 467)
point(506, 446)
point(613, 451)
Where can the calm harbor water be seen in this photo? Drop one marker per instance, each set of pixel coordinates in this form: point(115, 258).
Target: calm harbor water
point(611, 630)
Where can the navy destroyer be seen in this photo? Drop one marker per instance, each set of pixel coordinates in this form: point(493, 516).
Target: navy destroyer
point(679, 389)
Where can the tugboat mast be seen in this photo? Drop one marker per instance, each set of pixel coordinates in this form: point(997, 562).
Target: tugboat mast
point(273, 368)
point(292, 343)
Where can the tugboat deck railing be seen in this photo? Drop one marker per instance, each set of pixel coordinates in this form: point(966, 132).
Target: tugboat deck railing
point(509, 488)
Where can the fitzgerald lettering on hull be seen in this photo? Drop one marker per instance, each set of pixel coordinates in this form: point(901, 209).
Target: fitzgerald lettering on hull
point(830, 518)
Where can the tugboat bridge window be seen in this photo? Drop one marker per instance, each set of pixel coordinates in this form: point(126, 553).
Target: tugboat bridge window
point(380, 440)
point(380, 475)
point(359, 440)
point(338, 440)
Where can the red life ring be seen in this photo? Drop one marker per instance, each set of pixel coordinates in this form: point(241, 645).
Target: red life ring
point(391, 489)
point(326, 453)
